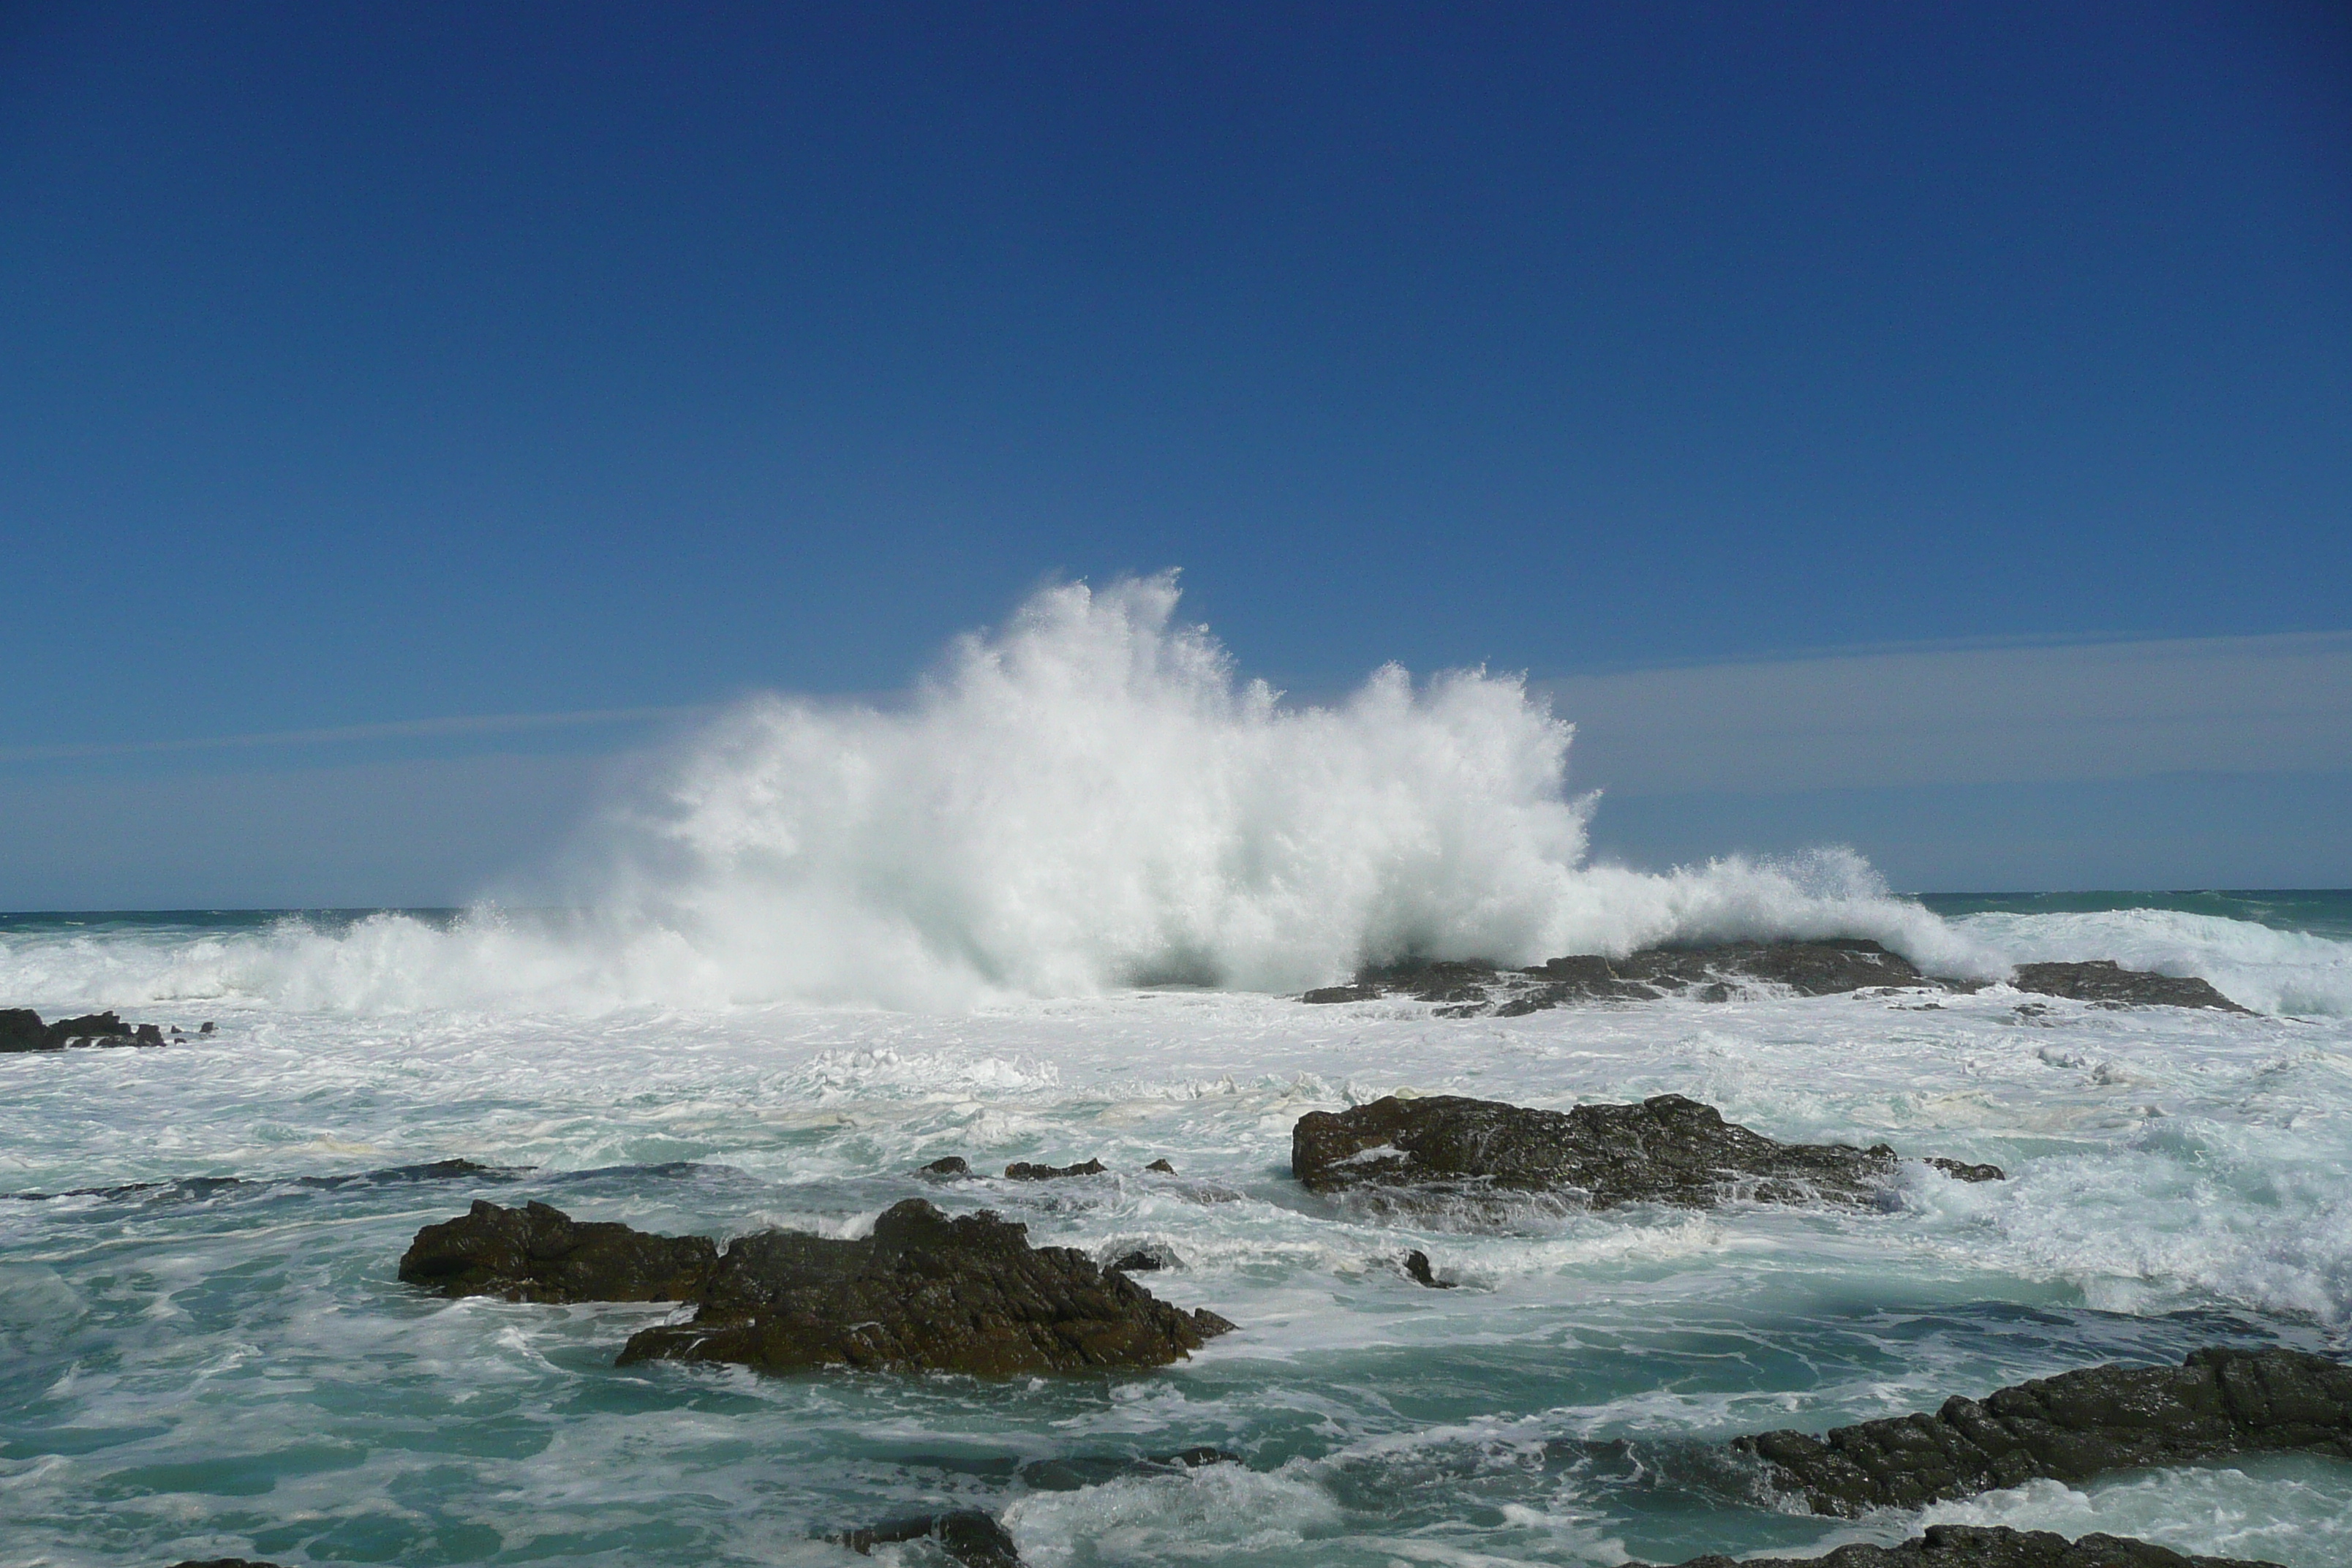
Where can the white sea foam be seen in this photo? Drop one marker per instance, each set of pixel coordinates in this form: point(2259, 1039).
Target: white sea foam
point(2254, 966)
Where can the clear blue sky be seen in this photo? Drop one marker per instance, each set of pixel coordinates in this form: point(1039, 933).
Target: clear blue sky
point(370, 364)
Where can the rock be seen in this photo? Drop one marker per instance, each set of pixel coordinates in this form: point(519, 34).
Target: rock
point(969, 1536)
point(1328, 994)
point(1665, 1150)
point(2070, 1428)
point(1163, 1166)
point(2103, 980)
point(21, 1029)
point(1713, 973)
point(1146, 1257)
point(95, 1027)
point(540, 1254)
point(1961, 1170)
point(1071, 1474)
point(207, 1027)
point(924, 1293)
point(225, 1563)
point(1022, 1170)
point(1417, 1270)
point(148, 1035)
point(1994, 1546)
point(953, 1165)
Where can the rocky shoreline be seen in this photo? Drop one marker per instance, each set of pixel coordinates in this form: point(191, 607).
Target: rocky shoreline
point(1470, 988)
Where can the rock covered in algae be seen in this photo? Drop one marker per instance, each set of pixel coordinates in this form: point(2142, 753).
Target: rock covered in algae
point(2070, 1428)
point(1667, 1149)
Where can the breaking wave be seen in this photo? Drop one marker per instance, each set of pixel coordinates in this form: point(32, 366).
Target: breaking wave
point(1088, 797)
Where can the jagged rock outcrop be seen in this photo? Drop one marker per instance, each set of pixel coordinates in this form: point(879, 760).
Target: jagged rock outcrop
point(1667, 1149)
point(966, 1536)
point(2103, 980)
point(924, 1293)
point(537, 1253)
point(21, 1029)
point(2070, 1428)
point(1992, 1546)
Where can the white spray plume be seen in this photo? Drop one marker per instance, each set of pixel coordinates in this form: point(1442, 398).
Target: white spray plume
point(1090, 797)
point(1086, 798)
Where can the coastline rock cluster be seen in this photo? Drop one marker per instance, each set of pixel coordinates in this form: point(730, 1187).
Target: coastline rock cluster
point(1463, 988)
point(2218, 1403)
point(922, 1293)
point(1667, 1149)
point(21, 1029)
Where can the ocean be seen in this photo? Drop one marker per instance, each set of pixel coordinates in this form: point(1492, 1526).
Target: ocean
point(1061, 908)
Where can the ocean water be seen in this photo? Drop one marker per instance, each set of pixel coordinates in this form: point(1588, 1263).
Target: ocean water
point(1058, 907)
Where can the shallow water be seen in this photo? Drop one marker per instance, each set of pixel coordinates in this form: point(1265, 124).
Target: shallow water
point(193, 1370)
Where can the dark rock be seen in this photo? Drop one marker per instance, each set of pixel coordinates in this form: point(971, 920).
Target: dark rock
point(1665, 1150)
point(1323, 994)
point(1022, 1170)
point(21, 1029)
point(1961, 1170)
point(540, 1254)
point(1070, 1474)
point(225, 1563)
point(1149, 1257)
point(148, 1035)
point(1163, 1166)
point(207, 1027)
point(969, 1536)
point(1993, 1546)
point(2103, 980)
point(2070, 1428)
point(89, 1026)
point(1417, 1270)
point(953, 1165)
point(924, 1293)
point(1711, 973)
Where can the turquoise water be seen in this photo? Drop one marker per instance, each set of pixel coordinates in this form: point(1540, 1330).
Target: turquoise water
point(199, 1367)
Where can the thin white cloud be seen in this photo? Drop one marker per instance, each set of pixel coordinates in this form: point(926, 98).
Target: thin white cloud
point(1968, 715)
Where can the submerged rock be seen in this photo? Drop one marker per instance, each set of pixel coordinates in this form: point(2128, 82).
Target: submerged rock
point(224, 1562)
point(1993, 1546)
point(1667, 1149)
point(969, 1536)
point(1417, 1270)
point(2103, 980)
point(924, 1293)
point(537, 1253)
point(1022, 1170)
point(2068, 1428)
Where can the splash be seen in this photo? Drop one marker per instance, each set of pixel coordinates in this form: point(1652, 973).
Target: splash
point(1092, 798)
point(1088, 798)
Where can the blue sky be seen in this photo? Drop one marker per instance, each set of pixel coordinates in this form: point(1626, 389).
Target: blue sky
point(368, 367)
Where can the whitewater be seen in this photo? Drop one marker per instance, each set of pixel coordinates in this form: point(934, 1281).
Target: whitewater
point(1058, 903)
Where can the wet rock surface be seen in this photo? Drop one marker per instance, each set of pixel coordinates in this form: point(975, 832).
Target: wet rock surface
point(924, 1293)
point(1990, 1546)
point(536, 1253)
point(1667, 1149)
point(967, 1535)
point(1472, 988)
point(224, 1562)
point(21, 1029)
point(2103, 980)
point(2220, 1402)
point(1024, 1171)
